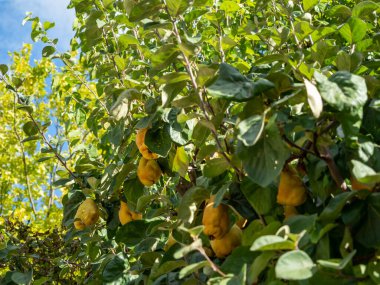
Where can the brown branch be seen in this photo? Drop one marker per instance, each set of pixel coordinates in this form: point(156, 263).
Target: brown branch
point(25, 168)
point(199, 93)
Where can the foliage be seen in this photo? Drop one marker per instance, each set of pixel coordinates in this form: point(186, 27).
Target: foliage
point(230, 93)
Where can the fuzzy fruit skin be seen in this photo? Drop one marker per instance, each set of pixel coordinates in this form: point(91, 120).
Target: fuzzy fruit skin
point(215, 220)
point(86, 215)
point(224, 246)
point(290, 211)
point(291, 191)
point(140, 142)
point(148, 171)
point(356, 185)
point(126, 215)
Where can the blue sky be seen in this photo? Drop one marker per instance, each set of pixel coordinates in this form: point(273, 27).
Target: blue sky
point(13, 34)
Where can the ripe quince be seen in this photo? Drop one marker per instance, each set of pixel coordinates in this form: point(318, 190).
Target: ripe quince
point(86, 215)
point(140, 142)
point(290, 211)
point(148, 171)
point(356, 185)
point(224, 246)
point(291, 191)
point(215, 220)
point(126, 215)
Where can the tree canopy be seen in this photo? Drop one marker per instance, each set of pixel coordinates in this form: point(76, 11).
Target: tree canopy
point(194, 142)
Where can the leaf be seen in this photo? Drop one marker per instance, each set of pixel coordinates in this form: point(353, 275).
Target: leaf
point(337, 264)
point(369, 232)
point(308, 4)
point(144, 9)
point(22, 278)
point(294, 265)
point(164, 56)
point(354, 30)
point(30, 129)
point(48, 51)
point(264, 161)
point(262, 199)
point(335, 206)
point(158, 140)
point(32, 138)
point(167, 267)
point(258, 266)
point(132, 233)
point(114, 269)
point(3, 69)
point(250, 129)
point(181, 161)
point(192, 268)
point(187, 249)
point(314, 98)
point(364, 173)
point(364, 8)
point(272, 242)
point(177, 7)
point(189, 202)
point(215, 167)
point(234, 86)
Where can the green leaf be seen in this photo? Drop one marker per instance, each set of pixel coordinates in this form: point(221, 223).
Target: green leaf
point(192, 268)
point(272, 242)
point(189, 202)
point(125, 40)
point(181, 161)
point(250, 129)
point(294, 265)
point(187, 249)
point(177, 7)
point(264, 161)
point(22, 278)
point(364, 173)
point(144, 9)
point(369, 232)
point(364, 8)
point(158, 140)
point(3, 69)
point(308, 4)
point(48, 51)
point(354, 30)
point(215, 167)
point(114, 269)
point(167, 267)
point(30, 129)
point(232, 85)
point(259, 265)
point(164, 56)
point(333, 210)
point(132, 233)
point(337, 264)
point(32, 138)
point(262, 199)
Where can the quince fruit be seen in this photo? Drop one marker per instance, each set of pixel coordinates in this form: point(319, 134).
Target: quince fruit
point(224, 246)
point(126, 215)
point(291, 191)
point(148, 171)
point(290, 211)
point(140, 142)
point(215, 220)
point(86, 215)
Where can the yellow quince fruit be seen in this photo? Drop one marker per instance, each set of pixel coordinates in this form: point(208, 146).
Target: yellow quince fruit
point(291, 191)
point(126, 215)
point(148, 171)
point(224, 246)
point(140, 142)
point(215, 220)
point(86, 215)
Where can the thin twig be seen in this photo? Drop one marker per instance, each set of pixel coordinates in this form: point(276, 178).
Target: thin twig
point(212, 264)
point(30, 196)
